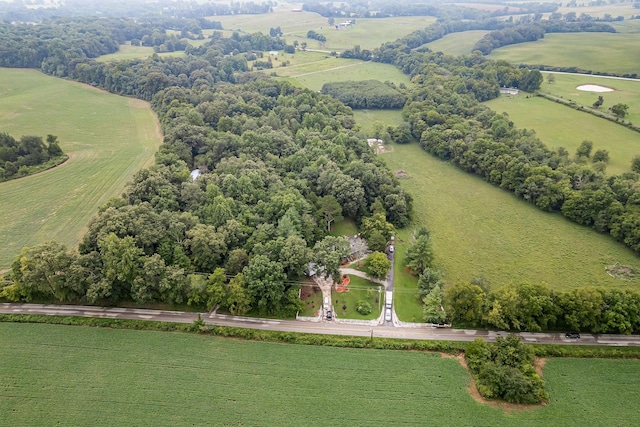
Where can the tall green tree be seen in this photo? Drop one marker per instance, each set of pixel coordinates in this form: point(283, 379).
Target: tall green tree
point(378, 265)
point(265, 283)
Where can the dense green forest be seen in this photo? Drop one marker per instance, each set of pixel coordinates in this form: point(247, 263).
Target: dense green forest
point(274, 159)
point(27, 155)
point(370, 94)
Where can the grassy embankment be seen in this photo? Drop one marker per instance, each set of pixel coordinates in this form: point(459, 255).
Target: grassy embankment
point(107, 137)
point(598, 52)
point(106, 377)
point(560, 126)
point(481, 230)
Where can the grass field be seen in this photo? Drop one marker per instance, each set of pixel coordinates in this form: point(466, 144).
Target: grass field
point(126, 52)
point(359, 289)
point(107, 137)
point(313, 69)
point(367, 33)
point(558, 125)
point(104, 377)
point(478, 229)
point(457, 43)
point(598, 52)
point(625, 92)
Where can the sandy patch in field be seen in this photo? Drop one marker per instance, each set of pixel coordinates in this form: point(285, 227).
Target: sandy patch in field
point(594, 88)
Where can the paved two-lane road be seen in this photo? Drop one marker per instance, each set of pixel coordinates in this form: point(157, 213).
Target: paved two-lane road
point(311, 327)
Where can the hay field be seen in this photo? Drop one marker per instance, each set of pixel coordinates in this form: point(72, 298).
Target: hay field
point(107, 137)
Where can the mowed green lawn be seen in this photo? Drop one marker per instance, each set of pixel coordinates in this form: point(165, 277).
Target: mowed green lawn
point(345, 303)
point(314, 69)
point(128, 52)
point(107, 137)
point(624, 92)
point(457, 43)
point(61, 375)
point(560, 126)
point(598, 52)
point(480, 230)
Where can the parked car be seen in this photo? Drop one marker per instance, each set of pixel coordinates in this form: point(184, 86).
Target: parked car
point(572, 335)
point(387, 315)
point(329, 315)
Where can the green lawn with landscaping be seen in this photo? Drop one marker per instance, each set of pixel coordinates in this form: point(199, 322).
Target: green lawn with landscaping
point(480, 230)
point(597, 52)
point(107, 137)
point(624, 92)
point(345, 303)
point(558, 125)
point(63, 375)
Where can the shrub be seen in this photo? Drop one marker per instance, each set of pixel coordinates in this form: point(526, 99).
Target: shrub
point(363, 307)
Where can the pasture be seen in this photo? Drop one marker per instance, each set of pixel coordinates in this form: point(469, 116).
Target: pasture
point(128, 52)
point(457, 43)
point(560, 126)
point(105, 377)
point(107, 137)
point(368, 33)
point(598, 52)
point(313, 69)
point(625, 91)
point(480, 230)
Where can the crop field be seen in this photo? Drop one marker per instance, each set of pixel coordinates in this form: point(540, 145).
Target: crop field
point(105, 377)
point(359, 289)
point(598, 52)
point(558, 125)
point(107, 137)
point(625, 92)
point(480, 230)
point(313, 69)
point(457, 43)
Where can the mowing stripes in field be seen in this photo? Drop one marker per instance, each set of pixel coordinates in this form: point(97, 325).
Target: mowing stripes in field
point(107, 137)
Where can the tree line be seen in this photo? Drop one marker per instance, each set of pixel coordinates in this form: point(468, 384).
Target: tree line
point(136, 9)
point(27, 155)
point(534, 31)
point(371, 94)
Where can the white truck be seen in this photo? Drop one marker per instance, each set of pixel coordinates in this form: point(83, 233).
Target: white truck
point(388, 297)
